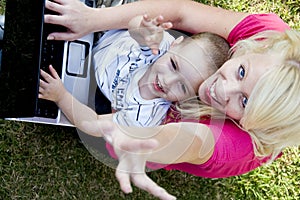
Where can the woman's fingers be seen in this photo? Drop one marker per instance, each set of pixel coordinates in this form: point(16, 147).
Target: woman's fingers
point(138, 145)
point(143, 182)
point(71, 14)
point(54, 6)
point(124, 181)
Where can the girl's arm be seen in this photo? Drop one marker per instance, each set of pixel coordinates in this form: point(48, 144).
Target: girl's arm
point(52, 88)
point(186, 15)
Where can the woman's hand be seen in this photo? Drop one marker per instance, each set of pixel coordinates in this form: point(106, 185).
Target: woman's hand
point(51, 88)
point(72, 14)
point(132, 154)
point(148, 32)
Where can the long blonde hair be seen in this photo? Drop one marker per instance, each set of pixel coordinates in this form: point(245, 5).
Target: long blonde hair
point(272, 115)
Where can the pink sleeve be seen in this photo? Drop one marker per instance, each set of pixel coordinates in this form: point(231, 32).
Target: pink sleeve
point(256, 23)
point(233, 154)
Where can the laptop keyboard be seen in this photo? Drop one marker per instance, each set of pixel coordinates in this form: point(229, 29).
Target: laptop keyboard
point(51, 53)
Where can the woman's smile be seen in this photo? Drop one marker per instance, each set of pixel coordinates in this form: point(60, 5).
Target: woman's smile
point(227, 89)
point(212, 92)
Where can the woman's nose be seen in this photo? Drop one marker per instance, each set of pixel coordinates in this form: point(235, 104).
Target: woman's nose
point(228, 89)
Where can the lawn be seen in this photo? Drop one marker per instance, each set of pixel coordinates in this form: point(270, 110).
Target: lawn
point(51, 162)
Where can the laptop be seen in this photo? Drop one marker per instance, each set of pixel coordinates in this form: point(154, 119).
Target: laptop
point(26, 51)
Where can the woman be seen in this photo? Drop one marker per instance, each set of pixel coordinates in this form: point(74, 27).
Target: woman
point(258, 87)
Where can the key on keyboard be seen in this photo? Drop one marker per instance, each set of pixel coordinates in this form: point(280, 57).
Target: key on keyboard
point(51, 53)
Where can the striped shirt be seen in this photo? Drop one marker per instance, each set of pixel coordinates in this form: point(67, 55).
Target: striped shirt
point(119, 63)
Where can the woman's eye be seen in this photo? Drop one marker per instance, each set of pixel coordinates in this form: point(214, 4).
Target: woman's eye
point(244, 101)
point(241, 72)
point(173, 64)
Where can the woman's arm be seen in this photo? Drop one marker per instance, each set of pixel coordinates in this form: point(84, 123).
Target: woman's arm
point(177, 142)
point(172, 143)
point(185, 15)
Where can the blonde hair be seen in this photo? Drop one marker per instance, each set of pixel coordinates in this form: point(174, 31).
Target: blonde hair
point(272, 115)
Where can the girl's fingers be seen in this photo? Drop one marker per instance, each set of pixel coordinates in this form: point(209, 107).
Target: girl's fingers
point(146, 18)
point(49, 77)
point(53, 72)
point(46, 76)
point(167, 25)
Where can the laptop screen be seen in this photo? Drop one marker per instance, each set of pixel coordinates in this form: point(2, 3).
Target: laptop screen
point(19, 72)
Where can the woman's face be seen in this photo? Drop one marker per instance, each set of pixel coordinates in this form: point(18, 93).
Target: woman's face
point(229, 88)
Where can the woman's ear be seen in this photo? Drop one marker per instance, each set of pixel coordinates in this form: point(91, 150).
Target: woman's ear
point(177, 41)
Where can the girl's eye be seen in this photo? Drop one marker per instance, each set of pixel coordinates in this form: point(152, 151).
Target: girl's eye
point(173, 64)
point(183, 88)
point(244, 101)
point(241, 72)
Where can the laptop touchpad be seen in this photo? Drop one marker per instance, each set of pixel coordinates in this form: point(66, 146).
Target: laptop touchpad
point(77, 54)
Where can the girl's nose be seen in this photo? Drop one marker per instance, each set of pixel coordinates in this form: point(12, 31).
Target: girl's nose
point(170, 80)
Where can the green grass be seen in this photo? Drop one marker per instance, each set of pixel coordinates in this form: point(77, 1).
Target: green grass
point(50, 162)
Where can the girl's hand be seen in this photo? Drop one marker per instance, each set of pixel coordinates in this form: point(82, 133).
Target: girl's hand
point(51, 88)
point(148, 32)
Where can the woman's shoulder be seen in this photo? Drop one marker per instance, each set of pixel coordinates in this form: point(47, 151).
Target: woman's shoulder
point(233, 153)
point(255, 23)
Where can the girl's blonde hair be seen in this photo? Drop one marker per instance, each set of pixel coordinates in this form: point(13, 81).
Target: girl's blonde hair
point(272, 115)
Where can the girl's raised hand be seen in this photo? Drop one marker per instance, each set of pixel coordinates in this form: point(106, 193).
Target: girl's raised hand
point(149, 32)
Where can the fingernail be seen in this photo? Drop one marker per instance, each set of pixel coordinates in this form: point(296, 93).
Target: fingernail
point(50, 37)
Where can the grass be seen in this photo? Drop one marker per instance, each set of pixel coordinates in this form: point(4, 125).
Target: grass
point(51, 162)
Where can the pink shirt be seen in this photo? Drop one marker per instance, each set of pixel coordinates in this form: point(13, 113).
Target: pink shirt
point(233, 154)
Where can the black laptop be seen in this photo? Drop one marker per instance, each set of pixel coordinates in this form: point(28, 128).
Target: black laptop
point(26, 51)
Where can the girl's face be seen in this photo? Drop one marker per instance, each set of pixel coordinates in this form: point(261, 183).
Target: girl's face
point(229, 88)
point(176, 75)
